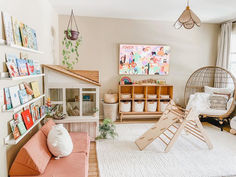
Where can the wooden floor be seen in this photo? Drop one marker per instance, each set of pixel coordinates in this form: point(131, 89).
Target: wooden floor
point(93, 163)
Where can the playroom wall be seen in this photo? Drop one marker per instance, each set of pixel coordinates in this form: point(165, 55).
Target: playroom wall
point(190, 49)
point(39, 15)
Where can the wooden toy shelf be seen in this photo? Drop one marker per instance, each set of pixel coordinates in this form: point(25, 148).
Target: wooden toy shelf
point(148, 89)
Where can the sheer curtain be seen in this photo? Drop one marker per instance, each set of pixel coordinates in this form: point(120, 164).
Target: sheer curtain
point(223, 57)
point(224, 46)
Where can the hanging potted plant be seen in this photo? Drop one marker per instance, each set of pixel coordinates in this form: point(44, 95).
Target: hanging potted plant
point(71, 43)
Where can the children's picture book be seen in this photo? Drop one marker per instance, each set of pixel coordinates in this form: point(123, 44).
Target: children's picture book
point(37, 112)
point(30, 37)
point(34, 39)
point(33, 112)
point(11, 65)
point(24, 55)
point(27, 118)
point(14, 129)
point(22, 67)
point(37, 67)
point(35, 88)
point(16, 31)
point(2, 103)
point(28, 89)
point(7, 98)
point(15, 100)
point(24, 34)
point(8, 28)
point(20, 123)
point(23, 96)
point(30, 67)
point(42, 110)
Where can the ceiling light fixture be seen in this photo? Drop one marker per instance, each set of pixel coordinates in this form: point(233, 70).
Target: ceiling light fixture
point(187, 19)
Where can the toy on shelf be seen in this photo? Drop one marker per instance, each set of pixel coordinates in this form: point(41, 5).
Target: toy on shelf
point(151, 81)
point(125, 80)
point(172, 122)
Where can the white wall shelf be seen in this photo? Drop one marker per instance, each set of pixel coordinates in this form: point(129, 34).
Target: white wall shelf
point(23, 77)
point(3, 43)
point(9, 140)
point(18, 108)
point(77, 119)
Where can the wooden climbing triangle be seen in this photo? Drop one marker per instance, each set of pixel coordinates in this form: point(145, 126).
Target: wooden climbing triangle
point(170, 125)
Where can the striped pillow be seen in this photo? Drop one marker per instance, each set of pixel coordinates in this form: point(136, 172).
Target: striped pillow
point(218, 102)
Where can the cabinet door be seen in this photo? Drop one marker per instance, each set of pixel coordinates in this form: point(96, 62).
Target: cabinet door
point(73, 101)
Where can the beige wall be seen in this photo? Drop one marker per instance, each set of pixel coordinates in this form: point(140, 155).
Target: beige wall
point(39, 15)
point(190, 49)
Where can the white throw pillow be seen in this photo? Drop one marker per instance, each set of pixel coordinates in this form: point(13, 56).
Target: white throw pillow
point(59, 141)
point(212, 90)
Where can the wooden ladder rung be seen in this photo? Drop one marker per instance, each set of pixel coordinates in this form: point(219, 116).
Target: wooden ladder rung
point(191, 126)
point(176, 113)
point(174, 126)
point(166, 136)
point(192, 123)
point(193, 131)
point(196, 136)
point(170, 131)
point(163, 141)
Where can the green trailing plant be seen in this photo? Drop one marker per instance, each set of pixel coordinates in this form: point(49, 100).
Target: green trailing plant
point(107, 129)
point(70, 51)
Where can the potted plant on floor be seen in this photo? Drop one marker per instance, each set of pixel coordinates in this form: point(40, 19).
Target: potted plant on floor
point(71, 43)
point(107, 129)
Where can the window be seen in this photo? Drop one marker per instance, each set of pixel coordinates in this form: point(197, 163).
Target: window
point(232, 64)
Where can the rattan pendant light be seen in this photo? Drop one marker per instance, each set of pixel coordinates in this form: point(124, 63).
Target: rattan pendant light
point(187, 19)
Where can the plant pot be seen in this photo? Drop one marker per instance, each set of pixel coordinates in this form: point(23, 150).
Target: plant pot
point(74, 35)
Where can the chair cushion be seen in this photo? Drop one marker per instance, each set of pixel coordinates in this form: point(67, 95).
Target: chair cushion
point(47, 127)
point(81, 142)
point(218, 102)
point(74, 165)
point(33, 157)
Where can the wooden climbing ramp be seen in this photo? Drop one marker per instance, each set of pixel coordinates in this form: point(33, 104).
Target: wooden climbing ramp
point(173, 121)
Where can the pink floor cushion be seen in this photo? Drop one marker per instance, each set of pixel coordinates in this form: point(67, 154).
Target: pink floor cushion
point(81, 142)
point(33, 157)
point(74, 165)
point(47, 127)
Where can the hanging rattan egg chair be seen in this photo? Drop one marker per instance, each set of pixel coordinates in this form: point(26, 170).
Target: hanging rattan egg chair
point(216, 77)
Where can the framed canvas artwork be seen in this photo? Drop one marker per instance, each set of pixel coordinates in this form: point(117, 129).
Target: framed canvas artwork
point(144, 59)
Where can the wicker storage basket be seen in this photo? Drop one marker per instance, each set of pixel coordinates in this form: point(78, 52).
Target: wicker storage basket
point(152, 106)
point(163, 106)
point(138, 96)
point(138, 106)
point(110, 98)
point(125, 95)
point(152, 96)
point(125, 106)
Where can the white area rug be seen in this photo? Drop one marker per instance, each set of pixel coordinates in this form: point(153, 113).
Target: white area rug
point(189, 157)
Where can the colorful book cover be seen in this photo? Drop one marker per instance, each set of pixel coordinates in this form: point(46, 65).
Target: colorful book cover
point(15, 100)
point(27, 118)
point(23, 96)
point(30, 37)
point(37, 67)
point(16, 31)
point(7, 98)
point(14, 129)
point(24, 34)
point(37, 112)
point(8, 28)
point(42, 110)
point(34, 39)
point(2, 102)
point(30, 67)
point(22, 67)
point(20, 123)
point(28, 89)
point(35, 88)
point(11, 65)
point(33, 112)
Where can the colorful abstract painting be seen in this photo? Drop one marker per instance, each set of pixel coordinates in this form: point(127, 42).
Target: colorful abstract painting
point(144, 59)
